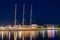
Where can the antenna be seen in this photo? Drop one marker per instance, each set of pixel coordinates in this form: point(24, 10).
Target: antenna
point(15, 14)
point(23, 14)
point(31, 15)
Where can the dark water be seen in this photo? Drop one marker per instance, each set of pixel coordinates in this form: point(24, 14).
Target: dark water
point(28, 38)
point(39, 37)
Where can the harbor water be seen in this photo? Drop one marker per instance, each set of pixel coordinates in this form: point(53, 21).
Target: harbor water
point(42, 35)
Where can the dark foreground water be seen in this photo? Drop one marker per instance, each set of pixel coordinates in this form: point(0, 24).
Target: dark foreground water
point(38, 38)
point(28, 38)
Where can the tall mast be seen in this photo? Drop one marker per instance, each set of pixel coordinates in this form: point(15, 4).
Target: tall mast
point(15, 14)
point(31, 15)
point(23, 14)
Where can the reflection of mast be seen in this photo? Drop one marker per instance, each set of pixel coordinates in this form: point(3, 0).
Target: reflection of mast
point(2, 34)
point(15, 33)
point(23, 21)
point(9, 32)
point(9, 35)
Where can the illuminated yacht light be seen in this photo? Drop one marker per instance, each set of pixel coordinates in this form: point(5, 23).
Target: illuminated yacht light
point(10, 26)
point(19, 32)
point(42, 32)
point(57, 32)
point(34, 25)
point(9, 33)
point(2, 27)
point(2, 33)
point(51, 33)
point(33, 32)
point(48, 32)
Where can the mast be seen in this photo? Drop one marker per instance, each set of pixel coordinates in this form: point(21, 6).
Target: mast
point(31, 15)
point(15, 14)
point(23, 14)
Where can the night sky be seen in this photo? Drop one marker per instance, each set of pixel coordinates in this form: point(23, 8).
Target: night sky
point(43, 11)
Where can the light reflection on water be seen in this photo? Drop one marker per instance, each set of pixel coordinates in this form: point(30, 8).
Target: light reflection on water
point(39, 37)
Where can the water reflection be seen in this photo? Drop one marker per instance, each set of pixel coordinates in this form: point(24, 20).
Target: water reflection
point(37, 38)
point(42, 35)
